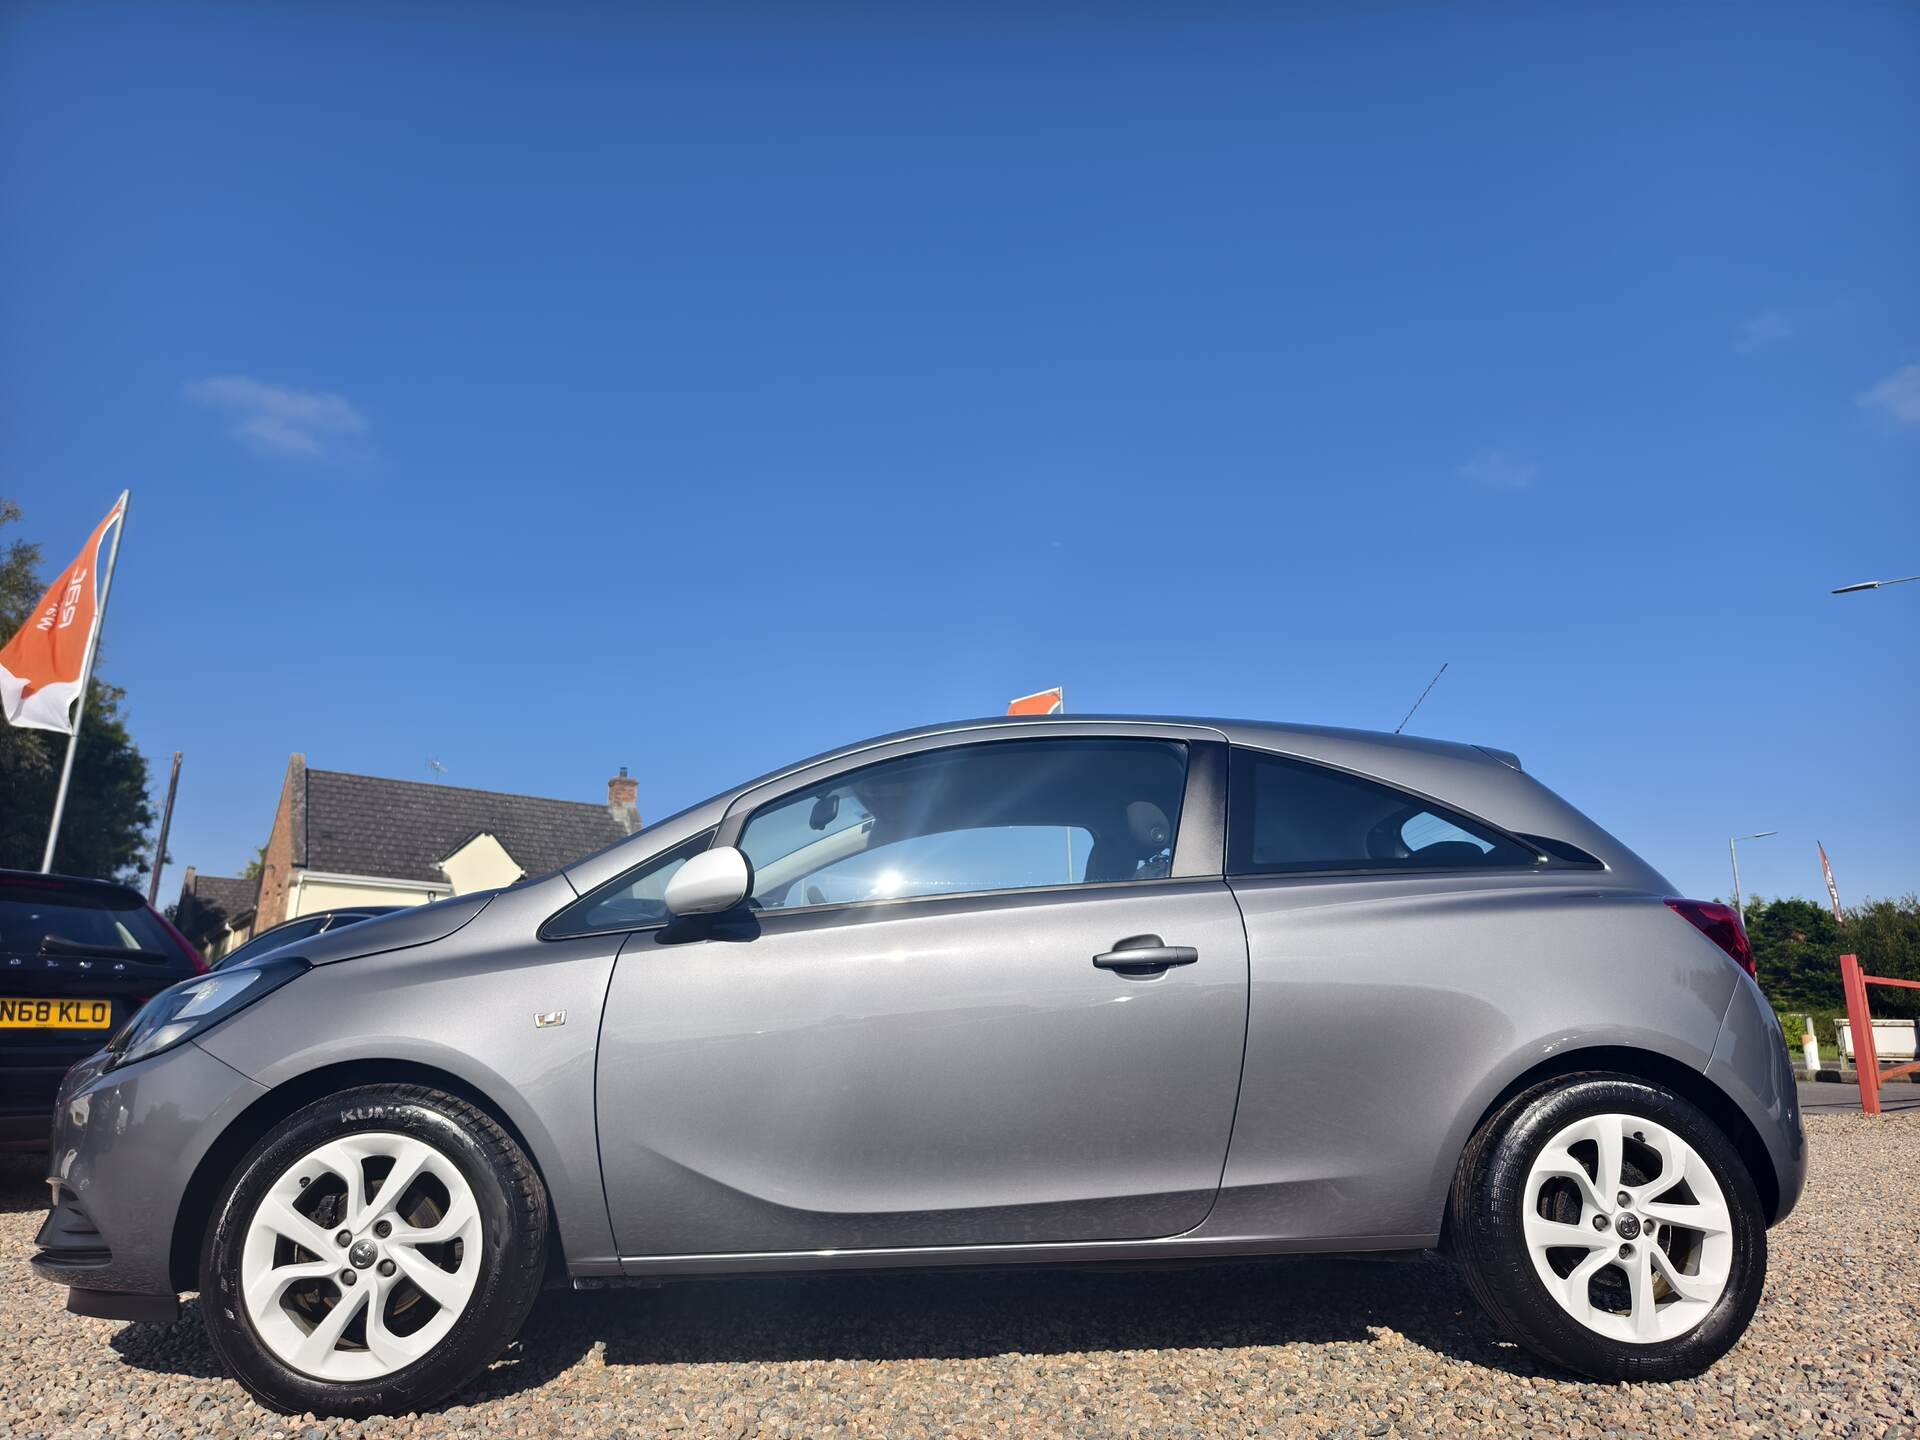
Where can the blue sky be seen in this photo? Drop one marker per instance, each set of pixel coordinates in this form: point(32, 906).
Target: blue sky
point(693, 389)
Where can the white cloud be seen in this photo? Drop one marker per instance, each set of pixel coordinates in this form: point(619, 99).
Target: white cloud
point(278, 419)
point(1498, 470)
point(1768, 328)
point(1898, 395)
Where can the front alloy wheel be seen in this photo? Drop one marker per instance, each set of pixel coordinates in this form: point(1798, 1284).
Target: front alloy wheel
point(373, 1253)
point(1610, 1226)
point(361, 1256)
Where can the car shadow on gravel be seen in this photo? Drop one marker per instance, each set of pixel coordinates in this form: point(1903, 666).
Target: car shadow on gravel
point(551, 1345)
point(23, 1183)
point(955, 1316)
point(965, 1315)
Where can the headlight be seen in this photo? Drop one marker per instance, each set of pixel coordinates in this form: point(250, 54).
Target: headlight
point(182, 1011)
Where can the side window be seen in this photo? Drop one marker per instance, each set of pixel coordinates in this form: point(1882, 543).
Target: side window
point(1001, 815)
point(1286, 817)
point(633, 901)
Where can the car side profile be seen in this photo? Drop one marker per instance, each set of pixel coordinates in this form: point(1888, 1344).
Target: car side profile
point(1013, 991)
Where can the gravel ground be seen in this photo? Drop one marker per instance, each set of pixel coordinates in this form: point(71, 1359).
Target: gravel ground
point(1300, 1347)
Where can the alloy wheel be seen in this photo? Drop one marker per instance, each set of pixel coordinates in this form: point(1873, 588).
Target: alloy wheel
point(361, 1256)
point(1627, 1228)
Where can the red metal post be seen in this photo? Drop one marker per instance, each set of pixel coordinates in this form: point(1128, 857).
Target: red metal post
point(1898, 1070)
point(1866, 1060)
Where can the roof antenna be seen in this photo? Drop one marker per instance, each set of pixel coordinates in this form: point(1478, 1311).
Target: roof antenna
point(434, 767)
point(1423, 696)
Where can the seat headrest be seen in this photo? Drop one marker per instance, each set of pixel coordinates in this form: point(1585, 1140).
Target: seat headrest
point(1147, 825)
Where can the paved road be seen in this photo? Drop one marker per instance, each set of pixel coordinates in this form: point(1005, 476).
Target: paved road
point(1817, 1099)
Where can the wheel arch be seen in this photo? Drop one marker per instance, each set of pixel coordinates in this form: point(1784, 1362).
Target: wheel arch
point(1649, 1065)
point(216, 1166)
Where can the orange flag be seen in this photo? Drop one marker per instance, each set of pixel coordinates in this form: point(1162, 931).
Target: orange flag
point(43, 667)
point(1042, 702)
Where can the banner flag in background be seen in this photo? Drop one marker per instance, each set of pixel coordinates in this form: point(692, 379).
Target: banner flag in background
point(1041, 702)
point(44, 666)
point(1833, 890)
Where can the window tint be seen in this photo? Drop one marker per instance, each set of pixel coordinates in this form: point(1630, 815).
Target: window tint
point(1005, 815)
point(1287, 816)
point(634, 901)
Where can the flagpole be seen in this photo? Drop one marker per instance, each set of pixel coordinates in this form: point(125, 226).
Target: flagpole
point(86, 683)
point(166, 824)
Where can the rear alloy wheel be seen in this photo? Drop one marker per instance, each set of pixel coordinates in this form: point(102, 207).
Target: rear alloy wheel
point(373, 1253)
point(1628, 1256)
point(1612, 1228)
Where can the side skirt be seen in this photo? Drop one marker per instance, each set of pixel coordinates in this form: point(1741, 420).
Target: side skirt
point(1176, 1250)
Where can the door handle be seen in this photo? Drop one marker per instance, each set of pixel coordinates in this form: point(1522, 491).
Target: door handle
point(1145, 954)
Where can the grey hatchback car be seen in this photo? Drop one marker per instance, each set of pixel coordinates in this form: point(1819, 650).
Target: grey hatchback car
point(1010, 991)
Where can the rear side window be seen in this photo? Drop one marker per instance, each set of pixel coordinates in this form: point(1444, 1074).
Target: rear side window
point(1288, 817)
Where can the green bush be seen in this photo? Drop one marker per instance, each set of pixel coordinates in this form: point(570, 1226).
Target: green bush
point(1793, 1025)
point(1797, 947)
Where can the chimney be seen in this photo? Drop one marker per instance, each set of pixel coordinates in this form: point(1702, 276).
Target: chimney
point(623, 802)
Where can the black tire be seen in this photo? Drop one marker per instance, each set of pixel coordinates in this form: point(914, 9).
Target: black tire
point(1485, 1224)
point(513, 1210)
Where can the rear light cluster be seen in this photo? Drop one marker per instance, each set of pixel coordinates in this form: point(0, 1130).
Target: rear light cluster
point(1720, 924)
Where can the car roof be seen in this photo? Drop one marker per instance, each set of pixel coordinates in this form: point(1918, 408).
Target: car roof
point(1269, 734)
point(71, 882)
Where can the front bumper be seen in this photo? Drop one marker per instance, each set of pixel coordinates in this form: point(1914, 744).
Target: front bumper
point(125, 1146)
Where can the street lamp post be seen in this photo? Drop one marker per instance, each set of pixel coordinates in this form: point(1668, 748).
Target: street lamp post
point(1875, 584)
point(1734, 852)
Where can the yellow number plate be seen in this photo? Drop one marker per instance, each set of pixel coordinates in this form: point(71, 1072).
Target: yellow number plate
point(55, 1014)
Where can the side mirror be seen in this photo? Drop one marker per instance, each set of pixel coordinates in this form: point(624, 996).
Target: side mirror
point(712, 881)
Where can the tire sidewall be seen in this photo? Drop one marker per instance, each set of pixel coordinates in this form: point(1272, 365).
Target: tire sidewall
point(492, 1315)
point(1500, 1243)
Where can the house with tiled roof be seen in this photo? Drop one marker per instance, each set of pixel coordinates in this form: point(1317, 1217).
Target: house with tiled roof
point(216, 911)
point(341, 840)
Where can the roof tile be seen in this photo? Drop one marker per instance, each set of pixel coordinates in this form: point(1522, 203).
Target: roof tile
point(403, 829)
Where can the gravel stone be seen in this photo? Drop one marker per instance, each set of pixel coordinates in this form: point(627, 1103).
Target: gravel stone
point(1300, 1347)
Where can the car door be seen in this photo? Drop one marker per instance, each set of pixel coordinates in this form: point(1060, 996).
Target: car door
point(922, 1029)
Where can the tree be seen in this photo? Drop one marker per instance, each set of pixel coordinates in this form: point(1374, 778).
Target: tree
point(1797, 948)
point(1796, 952)
point(1885, 934)
point(108, 813)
